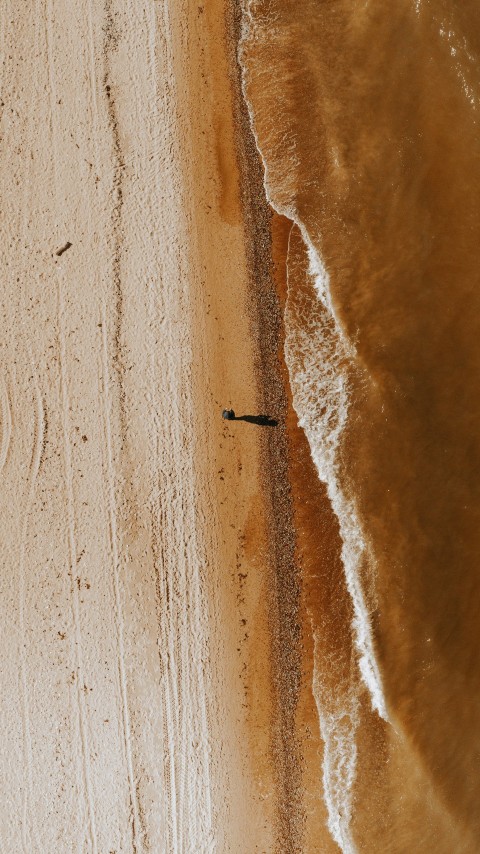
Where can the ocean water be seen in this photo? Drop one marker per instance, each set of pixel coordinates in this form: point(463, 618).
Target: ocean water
point(366, 119)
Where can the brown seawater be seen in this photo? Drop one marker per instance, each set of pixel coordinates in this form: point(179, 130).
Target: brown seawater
point(366, 117)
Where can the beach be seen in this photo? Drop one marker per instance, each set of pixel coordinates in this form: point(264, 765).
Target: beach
point(141, 532)
point(255, 634)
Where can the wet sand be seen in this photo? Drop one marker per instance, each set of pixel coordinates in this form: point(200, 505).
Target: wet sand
point(149, 594)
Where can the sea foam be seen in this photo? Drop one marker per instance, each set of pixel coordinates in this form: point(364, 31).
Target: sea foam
point(317, 357)
point(338, 728)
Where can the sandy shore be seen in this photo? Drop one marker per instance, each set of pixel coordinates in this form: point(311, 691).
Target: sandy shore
point(150, 602)
point(171, 583)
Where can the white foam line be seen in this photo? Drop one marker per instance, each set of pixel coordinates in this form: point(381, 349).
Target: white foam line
point(338, 727)
point(324, 434)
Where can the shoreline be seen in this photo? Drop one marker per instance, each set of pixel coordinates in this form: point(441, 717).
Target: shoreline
point(307, 568)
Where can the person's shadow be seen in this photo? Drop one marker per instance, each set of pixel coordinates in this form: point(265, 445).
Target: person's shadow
point(261, 420)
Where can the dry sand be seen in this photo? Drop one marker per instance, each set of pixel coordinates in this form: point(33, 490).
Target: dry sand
point(136, 665)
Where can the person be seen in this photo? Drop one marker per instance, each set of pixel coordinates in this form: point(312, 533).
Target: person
point(228, 415)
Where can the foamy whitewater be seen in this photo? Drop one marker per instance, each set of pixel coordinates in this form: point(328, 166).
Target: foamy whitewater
point(318, 357)
point(338, 726)
point(317, 353)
